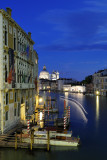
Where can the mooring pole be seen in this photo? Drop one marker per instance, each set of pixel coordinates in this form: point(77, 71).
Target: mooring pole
point(32, 136)
point(21, 137)
point(15, 140)
point(48, 141)
point(31, 141)
point(64, 105)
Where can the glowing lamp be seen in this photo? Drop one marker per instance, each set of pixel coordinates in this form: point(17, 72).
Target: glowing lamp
point(40, 100)
point(97, 92)
point(66, 89)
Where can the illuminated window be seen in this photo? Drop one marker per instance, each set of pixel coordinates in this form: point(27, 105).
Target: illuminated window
point(36, 61)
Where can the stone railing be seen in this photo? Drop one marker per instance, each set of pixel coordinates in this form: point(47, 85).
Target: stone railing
point(18, 86)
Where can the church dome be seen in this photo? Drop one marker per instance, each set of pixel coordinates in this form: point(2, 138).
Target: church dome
point(44, 74)
point(53, 76)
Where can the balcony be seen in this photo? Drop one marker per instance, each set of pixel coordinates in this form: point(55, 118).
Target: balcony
point(19, 86)
point(24, 86)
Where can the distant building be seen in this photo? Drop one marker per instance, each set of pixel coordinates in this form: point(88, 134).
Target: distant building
point(67, 87)
point(78, 89)
point(90, 88)
point(54, 76)
point(74, 89)
point(44, 74)
point(100, 82)
point(65, 81)
point(44, 84)
point(48, 81)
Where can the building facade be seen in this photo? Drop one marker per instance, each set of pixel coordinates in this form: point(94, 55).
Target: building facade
point(78, 89)
point(90, 88)
point(74, 89)
point(65, 81)
point(100, 82)
point(18, 72)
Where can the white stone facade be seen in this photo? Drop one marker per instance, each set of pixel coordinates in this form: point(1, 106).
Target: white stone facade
point(44, 74)
point(20, 91)
point(74, 89)
point(78, 89)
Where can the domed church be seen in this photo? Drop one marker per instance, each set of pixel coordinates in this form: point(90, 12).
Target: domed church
point(44, 74)
point(54, 75)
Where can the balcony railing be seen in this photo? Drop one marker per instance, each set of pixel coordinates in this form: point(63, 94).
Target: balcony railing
point(19, 86)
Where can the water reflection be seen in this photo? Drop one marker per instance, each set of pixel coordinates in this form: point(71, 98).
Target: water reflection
point(66, 96)
point(77, 109)
point(97, 108)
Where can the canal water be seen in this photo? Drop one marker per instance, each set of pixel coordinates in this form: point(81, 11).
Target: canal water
point(88, 120)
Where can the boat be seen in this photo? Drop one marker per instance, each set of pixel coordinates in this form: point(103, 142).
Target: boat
point(55, 138)
point(53, 110)
point(52, 134)
point(67, 142)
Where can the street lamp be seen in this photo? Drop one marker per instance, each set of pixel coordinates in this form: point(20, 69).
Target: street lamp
point(97, 93)
point(40, 99)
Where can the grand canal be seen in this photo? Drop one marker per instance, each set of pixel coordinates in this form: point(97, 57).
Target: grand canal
point(88, 120)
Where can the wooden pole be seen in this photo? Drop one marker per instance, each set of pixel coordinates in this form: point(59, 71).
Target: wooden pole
point(31, 141)
point(48, 141)
point(32, 136)
point(15, 140)
point(21, 137)
point(64, 104)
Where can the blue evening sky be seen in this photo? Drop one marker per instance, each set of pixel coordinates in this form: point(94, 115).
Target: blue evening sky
point(70, 35)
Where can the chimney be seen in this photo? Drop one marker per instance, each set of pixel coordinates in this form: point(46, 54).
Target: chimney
point(9, 10)
point(29, 34)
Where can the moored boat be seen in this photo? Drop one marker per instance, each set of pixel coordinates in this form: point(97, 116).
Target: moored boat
point(55, 138)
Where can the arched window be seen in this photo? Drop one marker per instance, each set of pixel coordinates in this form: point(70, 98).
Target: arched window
point(20, 76)
point(5, 36)
point(14, 42)
point(6, 98)
point(5, 73)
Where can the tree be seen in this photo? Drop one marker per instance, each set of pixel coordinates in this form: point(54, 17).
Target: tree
point(87, 80)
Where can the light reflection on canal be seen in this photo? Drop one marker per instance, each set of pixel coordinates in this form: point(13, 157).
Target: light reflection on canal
point(97, 112)
point(97, 108)
point(66, 96)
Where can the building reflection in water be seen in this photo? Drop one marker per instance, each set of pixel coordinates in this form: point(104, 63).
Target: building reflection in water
point(97, 109)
